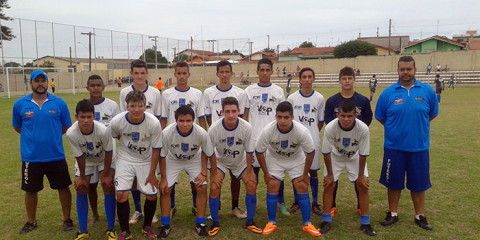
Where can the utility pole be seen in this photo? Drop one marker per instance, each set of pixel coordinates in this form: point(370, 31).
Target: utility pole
point(191, 49)
point(389, 35)
point(154, 38)
point(89, 49)
point(213, 44)
point(175, 53)
point(268, 42)
point(377, 31)
point(249, 59)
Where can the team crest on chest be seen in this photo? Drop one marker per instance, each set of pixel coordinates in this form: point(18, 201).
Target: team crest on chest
point(264, 97)
point(284, 144)
point(181, 102)
point(306, 108)
point(97, 116)
point(184, 147)
point(90, 146)
point(346, 142)
point(230, 141)
point(135, 136)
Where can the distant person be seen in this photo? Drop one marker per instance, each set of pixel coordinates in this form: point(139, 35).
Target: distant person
point(42, 119)
point(438, 87)
point(159, 84)
point(439, 68)
point(52, 85)
point(119, 82)
point(429, 68)
point(373, 85)
point(298, 70)
point(358, 72)
point(445, 69)
point(1, 88)
point(25, 82)
point(284, 70)
point(452, 81)
point(278, 72)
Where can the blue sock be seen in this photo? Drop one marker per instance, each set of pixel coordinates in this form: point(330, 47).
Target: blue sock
point(165, 220)
point(251, 202)
point(304, 203)
point(199, 220)
point(439, 98)
point(194, 198)
point(295, 195)
point(364, 219)
point(272, 199)
point(172, 198)
point(137, 201)
point(214, 206)
point(281, 192)
point(82, 212)
point(314, 187)
point(110, 204)
point(326, 217)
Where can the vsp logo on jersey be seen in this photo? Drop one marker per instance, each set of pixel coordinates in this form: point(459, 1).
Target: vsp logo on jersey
point(306, 120)
point(230, 141)
point(284, 144)
point(263, 110)
point(135, 136)
point(185, 147)
point(90, 146)
point(306, 108)
point(264, 97)
point(181, 102)
point(346, 142)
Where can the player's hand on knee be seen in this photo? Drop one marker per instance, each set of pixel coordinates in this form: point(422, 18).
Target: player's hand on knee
point(81, 184)
point(164, 190)
point(268, 178)
point(305, 178)
point(153, 181)
point(328, 181)
point(200, 179)
point(107, 182)
point(362, 182)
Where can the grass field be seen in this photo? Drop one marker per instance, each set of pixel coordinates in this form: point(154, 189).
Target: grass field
point(452, 204)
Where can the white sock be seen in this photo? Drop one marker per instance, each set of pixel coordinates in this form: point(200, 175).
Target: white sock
point(418, 216)
point(394, 214)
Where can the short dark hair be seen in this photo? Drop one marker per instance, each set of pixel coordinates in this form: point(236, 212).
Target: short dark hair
point(224, 63)
point(135, 96)
point(94, 77)
point(84, 106)
point(184, 110)
point(230, 101)
point(138, 63)
point(406, 59)
point(265, 61)
point(304, 70)
point(346, 71)
point(182, 64)
point(347, 106)
point(284, 106)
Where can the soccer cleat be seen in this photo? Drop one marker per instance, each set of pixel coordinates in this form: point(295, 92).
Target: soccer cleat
point(201, 229)
point(389, 219)
point(111, 235)
point(154, 219)
point(325, 227)
point(164, 231)
point(136, 217)
point(173, 211)
point(294, 208)
point(367, 229)
point(239, 213)
point(213, 230)
point(423, 223)
point(254, 228)
point(148, 231)
point(359, 211)
point(333, 211)
point(125, 236)
point(269, 228)
point(309, 228)
point(28, 227)
point(68, 225)
point(316, 210)
point(283, 209)
point(82, 236)
point(194, 211)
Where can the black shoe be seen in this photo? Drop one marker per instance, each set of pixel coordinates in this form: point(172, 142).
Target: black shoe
point(201, 229)
point(389, 220)
point(294, 208)
point(68, 225)
point(316, 210)
point(367, 229)
point(422, 222)
point(325, 227)
point(164, 231)
point(28, 227)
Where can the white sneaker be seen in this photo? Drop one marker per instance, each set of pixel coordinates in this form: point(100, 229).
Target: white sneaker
point(155, 219)
point(239, 213)
point(136, 217)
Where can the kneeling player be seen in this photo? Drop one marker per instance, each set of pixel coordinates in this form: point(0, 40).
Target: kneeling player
point(183, 143)
point(346, 145)
point(285, 142)
point(138, 154)
point(91, 144)
point(231, 138)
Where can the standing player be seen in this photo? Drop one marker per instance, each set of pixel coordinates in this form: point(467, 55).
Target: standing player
point(346, 79)
point(373, 85)
point(438, 87)
point(172, 99)
point(289, 147)
point(139, 72)
point(406, 109)
point(346, 145)
point(92, 146)
point(231, 138)
point(41, 119)
point(185, 147)
point(137, 157)
point(53, 84)
point(308, 109)
point(263, 98)
point(213, 97)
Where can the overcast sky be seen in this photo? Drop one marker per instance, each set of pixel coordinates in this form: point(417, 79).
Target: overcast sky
point(287, 22)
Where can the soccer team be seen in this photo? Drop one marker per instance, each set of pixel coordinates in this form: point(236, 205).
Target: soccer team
point(161, 135)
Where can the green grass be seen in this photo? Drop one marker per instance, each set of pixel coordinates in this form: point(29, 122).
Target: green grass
point(451, 204)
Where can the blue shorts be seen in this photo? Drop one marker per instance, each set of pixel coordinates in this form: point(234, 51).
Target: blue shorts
point(416, 165)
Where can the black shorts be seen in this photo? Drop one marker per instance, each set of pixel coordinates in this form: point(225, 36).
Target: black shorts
point(56, 171)
point(372, 90)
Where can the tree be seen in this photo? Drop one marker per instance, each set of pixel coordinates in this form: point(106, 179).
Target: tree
point(6, 31)
point(181, 58)
point(306, 45)
point(150, 58)
point(230, 52)
point(47, 64)
point(269, 50)
point(354, 49)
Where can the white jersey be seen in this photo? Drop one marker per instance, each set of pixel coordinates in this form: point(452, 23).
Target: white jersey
point(173, 98)
point(185, 148)
point(231, 145)
point(93, 145)
point(152, 95)
point(263, 101)
point(285, 147)
point(309, 110)
point(213, 98)
point(136, 140)
point(106, 110)
point(346, 145)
